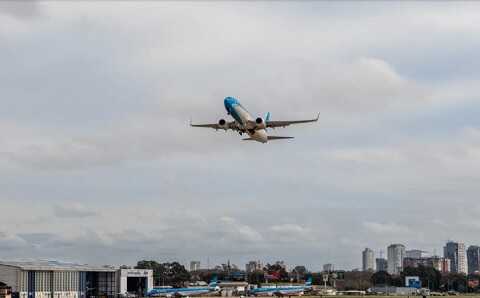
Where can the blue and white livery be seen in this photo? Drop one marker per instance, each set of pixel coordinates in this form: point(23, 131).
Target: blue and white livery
point(245, 123)
point(185, 292)
point(283, 290)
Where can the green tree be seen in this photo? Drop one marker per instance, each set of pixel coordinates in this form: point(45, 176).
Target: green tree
point(454, 282)
point(381, 278)
point(299, 273)
point(256, 277)
point(429, 276)
point(276, 269)
point(357, 280)
point(173, 274)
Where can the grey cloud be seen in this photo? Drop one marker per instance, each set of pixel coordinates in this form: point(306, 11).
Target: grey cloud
point(20, 9)
point(99, 98)
point(10, 241)
point(74, 210)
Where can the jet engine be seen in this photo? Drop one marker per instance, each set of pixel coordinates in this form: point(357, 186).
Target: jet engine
point(260, 123)
point(223, 124)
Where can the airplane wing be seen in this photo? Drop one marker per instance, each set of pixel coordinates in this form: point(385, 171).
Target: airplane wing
point(274, 124)
point(228, 125)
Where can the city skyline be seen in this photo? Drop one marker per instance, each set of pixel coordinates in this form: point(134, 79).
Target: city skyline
point(99, 164)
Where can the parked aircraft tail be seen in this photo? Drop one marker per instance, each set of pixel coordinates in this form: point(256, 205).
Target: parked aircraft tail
point(213, 283)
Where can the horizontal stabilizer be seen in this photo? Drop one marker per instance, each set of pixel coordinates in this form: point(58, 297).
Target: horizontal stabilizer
point(270, 138)
point(278, 138)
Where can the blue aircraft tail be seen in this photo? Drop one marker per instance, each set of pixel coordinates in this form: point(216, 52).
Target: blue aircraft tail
point(267, 117)
point(213, 283)
point(308, 282)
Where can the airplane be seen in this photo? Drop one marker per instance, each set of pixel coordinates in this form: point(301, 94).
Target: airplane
point(245, 123)
point(283, 290)
point(185, 292)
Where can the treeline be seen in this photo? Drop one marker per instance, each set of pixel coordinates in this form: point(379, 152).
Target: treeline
point(432, 279)
point(175, 274)
point(171, 274)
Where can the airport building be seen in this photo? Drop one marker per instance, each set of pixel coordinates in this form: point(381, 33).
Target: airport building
point(135, 281)
point(51, 279)
point(328, 268)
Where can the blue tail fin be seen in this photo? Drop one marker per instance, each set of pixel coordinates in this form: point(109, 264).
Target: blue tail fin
point(267, 117)
point(308, 282)
point(213, 283)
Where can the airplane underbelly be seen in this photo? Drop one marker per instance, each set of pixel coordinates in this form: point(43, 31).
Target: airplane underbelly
point(259, 135)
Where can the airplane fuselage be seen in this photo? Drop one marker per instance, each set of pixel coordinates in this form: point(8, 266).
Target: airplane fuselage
point(170, 292)
point(279, 291)
point(244, 120)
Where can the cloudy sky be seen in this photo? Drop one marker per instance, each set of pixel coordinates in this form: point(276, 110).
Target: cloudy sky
point(98, 164)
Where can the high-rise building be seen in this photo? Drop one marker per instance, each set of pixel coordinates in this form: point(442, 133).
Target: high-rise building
point(416, 262)
point(414, 253)
point(194, 265)
point(328, 268)
point(455, 252)
point(395, 256)
point(253, 266)
point(381, 264)
point(368, 260)
point(439, 263)
point(473, 258)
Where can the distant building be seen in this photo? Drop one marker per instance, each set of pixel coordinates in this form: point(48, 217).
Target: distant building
point(473, 258)
point(194, 265)
point(253, 266)
point(328, 268)
point(439, 263)
point(368, 260)
point(455, 252)
point(416, 262)
point(414, 254)
point(381, 264)
point(395, 256)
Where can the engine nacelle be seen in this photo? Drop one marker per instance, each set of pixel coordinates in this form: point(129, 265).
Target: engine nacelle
point(260, 123)
point(223, 124)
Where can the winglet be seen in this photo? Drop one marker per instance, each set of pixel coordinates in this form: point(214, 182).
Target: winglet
point(318, 116)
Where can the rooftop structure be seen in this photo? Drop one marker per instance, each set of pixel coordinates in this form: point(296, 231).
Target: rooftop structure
point(55, 266)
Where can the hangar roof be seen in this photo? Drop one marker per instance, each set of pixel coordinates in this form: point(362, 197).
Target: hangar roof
point(55, 266)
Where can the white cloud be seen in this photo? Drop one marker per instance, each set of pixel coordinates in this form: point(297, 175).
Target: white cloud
point(10, 241)
point(290, 233)
point(391, 229)
point(73, 210)
point(243, 232)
